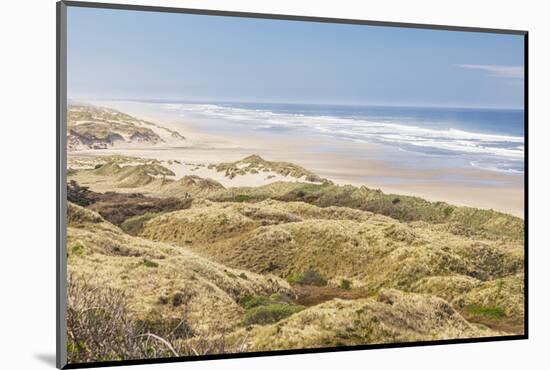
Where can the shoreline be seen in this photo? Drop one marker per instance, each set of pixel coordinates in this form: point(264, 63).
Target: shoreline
point(352, 163)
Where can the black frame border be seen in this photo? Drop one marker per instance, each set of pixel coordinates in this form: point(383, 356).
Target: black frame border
point(61, 203)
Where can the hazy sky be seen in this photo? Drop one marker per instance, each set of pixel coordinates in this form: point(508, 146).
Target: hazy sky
point(132, 54)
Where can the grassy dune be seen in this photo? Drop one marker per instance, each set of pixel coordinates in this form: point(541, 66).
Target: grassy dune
point(99, 128)
point(369, 250)
point(255, 164)
point(126, 175)
point(459, 220)
point(285, 265)
point(391, 317)
point(118, 174)
point(153, 273)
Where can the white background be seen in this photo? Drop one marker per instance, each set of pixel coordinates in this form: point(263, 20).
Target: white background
point(27, 180)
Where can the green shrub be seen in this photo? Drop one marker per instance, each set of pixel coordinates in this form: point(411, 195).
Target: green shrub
point(251, 301)
point(242, 198)
point(242, 275)
point(493, 313)
point(345, 284)
point(309, 277)
point(150, 263)
point(271, 313)
point(293, 278)
point(134, 224)
point(77, 249)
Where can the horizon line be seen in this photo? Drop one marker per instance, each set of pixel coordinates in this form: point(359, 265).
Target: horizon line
point(241, 101)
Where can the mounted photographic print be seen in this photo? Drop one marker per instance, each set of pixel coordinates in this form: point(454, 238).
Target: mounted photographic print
point(236, 185)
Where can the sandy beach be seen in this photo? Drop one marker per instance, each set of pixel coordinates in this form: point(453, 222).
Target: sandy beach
point(343, 163)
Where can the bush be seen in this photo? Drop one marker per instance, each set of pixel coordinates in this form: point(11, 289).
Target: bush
point(309, 277)
point(77, 249)
point(493, 313)
point(118, 207)
point(271, 313)
point(150, 263)
point(133, 225)
point(251, 301)
point(266, 310)
point(78, 194)
point(242, 198)
point(345, 284)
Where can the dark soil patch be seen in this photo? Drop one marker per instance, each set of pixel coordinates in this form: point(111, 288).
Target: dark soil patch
point(507, 325)
point(312, 295)
point(118, 207)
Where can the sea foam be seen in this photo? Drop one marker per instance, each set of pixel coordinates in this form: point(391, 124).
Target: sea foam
point(485, 150)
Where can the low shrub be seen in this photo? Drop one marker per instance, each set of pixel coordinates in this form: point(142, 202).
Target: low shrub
point(78, 194)
point(251, 301)
point(120, 207)
point(77, 249)
point(493, 313)
point(308, 277)
point(242, 198)
point(150, 263)
point(268, 314)
point(345, 284)
point(133, 225)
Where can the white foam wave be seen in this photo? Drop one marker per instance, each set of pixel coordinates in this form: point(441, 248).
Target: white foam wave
point(361, 130)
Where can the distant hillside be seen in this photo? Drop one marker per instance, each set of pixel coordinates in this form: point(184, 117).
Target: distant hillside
point(90, 127)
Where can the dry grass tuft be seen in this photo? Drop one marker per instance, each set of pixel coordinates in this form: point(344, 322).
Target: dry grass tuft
point(101, 327)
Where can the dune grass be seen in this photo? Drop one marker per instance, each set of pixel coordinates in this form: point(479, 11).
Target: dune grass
point(459, 220)
point(291, 265)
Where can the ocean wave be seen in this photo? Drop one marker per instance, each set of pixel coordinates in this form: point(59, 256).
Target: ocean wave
point(409, 136)
point(498, 167)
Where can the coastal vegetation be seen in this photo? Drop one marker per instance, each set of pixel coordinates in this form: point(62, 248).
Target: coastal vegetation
point(166, 265)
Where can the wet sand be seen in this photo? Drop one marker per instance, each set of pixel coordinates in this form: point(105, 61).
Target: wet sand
point(372, 165)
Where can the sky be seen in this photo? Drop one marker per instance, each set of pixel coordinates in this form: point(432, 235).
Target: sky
point(124, 54)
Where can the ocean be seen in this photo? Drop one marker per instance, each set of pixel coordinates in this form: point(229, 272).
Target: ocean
point(489, 139)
